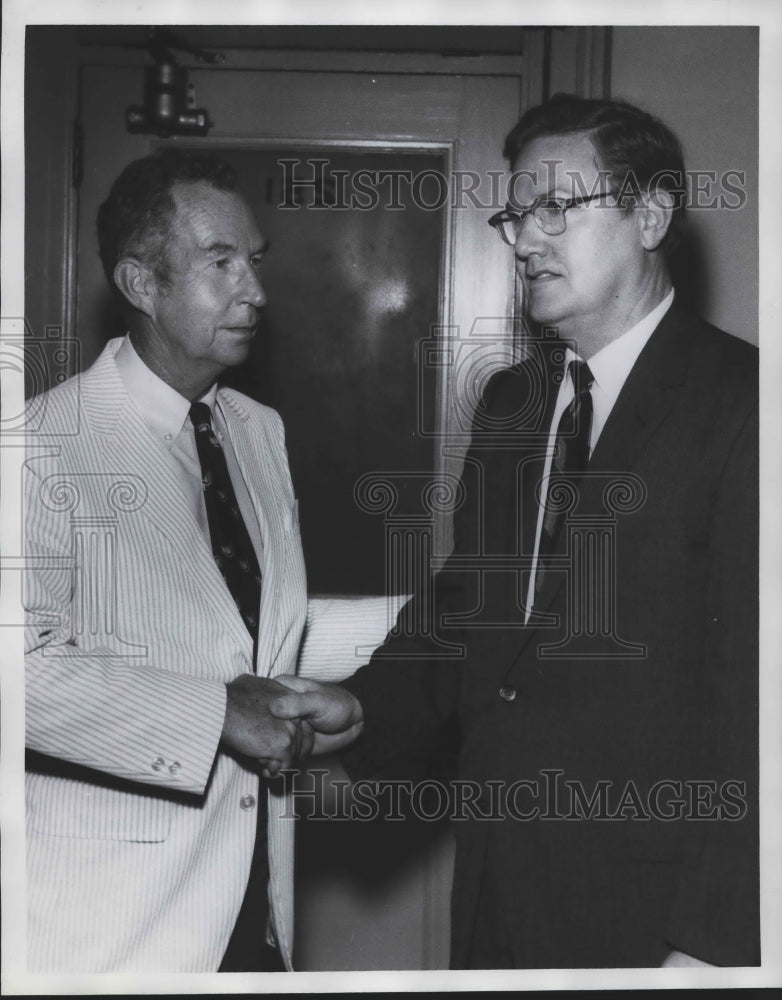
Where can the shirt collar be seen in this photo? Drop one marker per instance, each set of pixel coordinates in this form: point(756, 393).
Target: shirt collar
point(162, 408)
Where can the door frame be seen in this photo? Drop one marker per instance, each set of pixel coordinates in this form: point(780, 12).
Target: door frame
point(462, 112)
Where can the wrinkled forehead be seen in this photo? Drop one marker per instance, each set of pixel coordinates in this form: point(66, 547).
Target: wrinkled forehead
point(564, 166)
point(199, 207)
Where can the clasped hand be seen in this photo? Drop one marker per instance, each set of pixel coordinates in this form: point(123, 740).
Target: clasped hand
point(279, 722)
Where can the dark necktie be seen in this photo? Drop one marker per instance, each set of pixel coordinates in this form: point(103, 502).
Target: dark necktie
point(231, 545)
point(236, 560)
point(571, 454)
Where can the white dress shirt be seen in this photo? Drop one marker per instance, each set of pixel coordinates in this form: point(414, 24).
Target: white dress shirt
point(167, 415)
point(610, 368)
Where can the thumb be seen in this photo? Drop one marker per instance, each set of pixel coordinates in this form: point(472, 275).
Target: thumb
point(291, 706)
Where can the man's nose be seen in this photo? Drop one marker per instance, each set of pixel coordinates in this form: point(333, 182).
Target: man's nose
point(530, 238)
point(252, 289)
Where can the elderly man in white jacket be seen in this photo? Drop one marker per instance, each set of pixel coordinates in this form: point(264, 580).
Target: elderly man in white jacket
point(147, 677)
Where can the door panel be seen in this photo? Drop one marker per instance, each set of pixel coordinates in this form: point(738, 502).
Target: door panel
point(351, 292)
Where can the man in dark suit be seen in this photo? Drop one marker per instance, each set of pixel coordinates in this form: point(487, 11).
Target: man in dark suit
point(602, 590)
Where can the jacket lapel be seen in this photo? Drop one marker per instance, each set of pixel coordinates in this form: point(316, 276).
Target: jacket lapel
point(644, 403)
point(129, 448)
point(646, 398)
point(256, 462)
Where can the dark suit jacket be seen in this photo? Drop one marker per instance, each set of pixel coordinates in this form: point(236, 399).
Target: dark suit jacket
point(639, 688)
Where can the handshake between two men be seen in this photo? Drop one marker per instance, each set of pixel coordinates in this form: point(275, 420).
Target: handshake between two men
point(282, 721)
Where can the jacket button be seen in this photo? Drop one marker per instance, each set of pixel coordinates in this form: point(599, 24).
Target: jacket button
point(507, 693)
point(247, 802)
point(174, 768)
point(158, 764)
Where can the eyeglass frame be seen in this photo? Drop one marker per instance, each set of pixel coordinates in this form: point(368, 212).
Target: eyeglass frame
point(564, 204)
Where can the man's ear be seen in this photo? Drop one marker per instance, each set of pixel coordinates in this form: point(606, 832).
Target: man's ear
point(137, 283)
point(655, 214)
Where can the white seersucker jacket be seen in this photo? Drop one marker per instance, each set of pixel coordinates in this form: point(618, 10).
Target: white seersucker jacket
point(140, 830)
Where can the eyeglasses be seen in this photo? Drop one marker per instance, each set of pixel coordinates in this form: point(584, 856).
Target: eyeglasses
point(548, 213)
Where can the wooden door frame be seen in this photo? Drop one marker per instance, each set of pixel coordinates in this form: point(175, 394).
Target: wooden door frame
point(52, 101)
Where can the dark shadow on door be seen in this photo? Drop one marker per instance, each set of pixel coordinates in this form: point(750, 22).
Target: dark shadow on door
point(352, 281)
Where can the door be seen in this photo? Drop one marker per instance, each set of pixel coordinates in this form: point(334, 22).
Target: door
point(353, 288)
point(460, 117)
point(384, 319)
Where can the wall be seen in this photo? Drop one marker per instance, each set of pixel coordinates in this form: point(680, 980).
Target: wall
point(702, 81)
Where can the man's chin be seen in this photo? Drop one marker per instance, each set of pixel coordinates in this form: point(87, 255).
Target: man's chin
point(235, 348)
point(541, 317)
